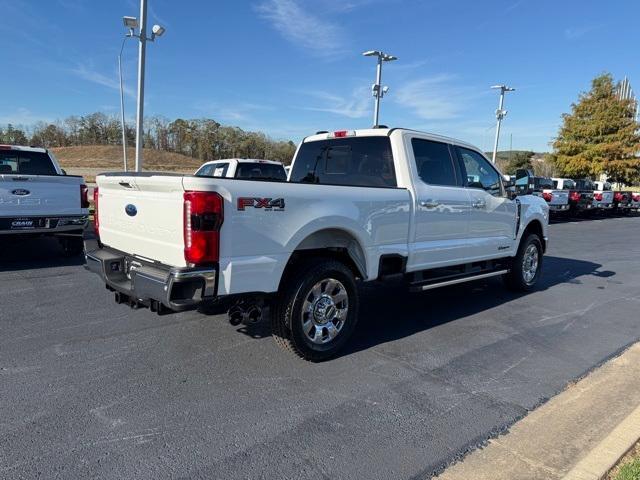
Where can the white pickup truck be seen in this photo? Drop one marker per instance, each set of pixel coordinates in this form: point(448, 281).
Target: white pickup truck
point(38, 198)
point(359, 205)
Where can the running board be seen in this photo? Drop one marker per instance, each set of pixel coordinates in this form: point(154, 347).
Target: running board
point(429, 286)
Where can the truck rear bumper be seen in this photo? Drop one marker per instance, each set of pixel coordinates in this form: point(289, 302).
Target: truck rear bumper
point(149, 284)
point(33, 225)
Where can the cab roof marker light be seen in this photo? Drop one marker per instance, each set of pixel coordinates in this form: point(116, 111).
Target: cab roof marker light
point(341, 134)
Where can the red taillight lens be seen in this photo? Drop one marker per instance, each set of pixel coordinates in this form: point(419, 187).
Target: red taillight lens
point(597, 196)
point(574, 196)
point(548, 196)
point(203, 216)
point(96, 219)
point(618, 197)
point(84, 196)
point(636, 198)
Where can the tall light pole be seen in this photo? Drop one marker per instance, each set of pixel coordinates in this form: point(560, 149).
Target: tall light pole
point(128, 21)
point(377, 89)
point(156, 31)
point(500, 114)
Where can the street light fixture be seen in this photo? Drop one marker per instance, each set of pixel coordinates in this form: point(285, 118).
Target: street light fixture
point(377, 89)
point(500, 114)
point(156, 31)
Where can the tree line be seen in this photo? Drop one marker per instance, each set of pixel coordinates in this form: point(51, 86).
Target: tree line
point(204, 138)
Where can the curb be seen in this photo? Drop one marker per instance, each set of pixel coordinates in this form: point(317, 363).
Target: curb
point(609, 451)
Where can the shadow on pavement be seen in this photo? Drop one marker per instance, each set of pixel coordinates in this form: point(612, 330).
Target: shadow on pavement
point(26, 253)
point(388, 311)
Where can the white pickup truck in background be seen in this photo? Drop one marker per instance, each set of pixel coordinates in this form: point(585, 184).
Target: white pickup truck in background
point(359, 205)
point(246, 168)
point(602, 196)
point(38, 198)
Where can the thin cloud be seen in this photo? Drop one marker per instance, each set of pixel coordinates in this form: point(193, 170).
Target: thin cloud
point(574, 33)
point(356, 105)
point(302, 28)
point(98, 78)
point(433, 98)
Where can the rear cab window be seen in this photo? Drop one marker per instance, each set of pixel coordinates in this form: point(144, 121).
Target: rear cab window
point(218, 170)
point(352, 161)
point(261, 171)
point(22, 162)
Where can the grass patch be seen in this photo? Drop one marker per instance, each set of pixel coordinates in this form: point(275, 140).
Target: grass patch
point(629, 466)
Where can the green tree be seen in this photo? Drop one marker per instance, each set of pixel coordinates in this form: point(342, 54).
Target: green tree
point(519, 160)
point(600, 135)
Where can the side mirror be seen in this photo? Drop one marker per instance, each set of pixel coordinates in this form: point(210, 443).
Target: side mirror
point(64, 172)
point(524, 182)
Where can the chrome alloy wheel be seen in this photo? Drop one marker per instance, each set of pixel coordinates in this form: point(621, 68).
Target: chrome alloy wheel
point(530, 262)
point(324, 311)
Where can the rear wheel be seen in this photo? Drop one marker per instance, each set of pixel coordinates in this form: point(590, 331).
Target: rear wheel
point(317, 309)
point(526, 266)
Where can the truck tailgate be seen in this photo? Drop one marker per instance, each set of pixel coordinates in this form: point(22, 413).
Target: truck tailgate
point(143, 216)
point(38, 195)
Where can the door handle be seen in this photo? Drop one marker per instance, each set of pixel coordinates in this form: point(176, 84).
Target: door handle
point(429, 204)
point(479, 204)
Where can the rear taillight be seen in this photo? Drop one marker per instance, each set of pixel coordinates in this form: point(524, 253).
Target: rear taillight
point(203, 216)
point(96, 219)
point(618, 197)
point(636, 198)
point(548, 196)
point(84, 196)
point(597, 196)
point(574, 196)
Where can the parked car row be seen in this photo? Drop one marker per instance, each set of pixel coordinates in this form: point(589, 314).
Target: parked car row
point(566, 196)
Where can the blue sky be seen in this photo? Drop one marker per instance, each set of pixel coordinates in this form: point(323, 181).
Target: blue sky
point(291, 67)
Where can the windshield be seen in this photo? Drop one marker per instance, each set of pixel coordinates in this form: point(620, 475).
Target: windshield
point(16, 162)
point(261, 171)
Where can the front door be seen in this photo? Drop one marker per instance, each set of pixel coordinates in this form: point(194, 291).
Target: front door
point(492, 220)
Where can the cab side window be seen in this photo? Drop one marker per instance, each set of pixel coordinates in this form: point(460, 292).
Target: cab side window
point(434, 163)
point(480, 173)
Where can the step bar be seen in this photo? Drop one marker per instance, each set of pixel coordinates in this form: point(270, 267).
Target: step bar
point(444, 283)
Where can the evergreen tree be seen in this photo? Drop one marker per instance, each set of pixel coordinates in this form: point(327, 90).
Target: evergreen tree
point(600, 135)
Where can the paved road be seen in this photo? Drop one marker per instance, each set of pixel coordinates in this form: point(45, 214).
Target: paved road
point(91, 389)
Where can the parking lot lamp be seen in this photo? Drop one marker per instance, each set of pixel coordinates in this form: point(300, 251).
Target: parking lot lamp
point(500, 114)
point(156, 31)
point(131, 23)
point(377, 89)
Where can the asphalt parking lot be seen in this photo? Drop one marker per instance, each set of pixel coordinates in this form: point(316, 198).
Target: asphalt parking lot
point(91, 389)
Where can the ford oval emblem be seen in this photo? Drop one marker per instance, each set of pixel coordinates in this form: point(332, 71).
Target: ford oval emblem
point(131, 210)
point(21, 192)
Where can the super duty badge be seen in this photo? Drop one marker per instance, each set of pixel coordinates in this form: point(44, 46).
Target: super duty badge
point(255, 202)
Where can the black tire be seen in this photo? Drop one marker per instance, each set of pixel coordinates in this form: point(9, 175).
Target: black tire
point(288, 321)
point(72, 246)
point(517, 279)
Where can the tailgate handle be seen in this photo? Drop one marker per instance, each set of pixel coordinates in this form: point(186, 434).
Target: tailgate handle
point(125, 184)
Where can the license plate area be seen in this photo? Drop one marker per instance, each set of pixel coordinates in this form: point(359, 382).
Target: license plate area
point(24, 223)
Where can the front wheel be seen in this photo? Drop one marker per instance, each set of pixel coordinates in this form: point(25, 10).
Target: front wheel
point(526, 267)
point(317, 309)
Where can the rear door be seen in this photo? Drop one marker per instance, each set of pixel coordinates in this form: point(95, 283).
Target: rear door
point(492, 220)
point(442, 207)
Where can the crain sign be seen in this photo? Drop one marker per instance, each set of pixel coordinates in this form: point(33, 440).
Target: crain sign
point(266, 203)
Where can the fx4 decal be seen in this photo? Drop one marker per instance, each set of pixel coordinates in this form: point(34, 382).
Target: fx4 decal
point(266, 203)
